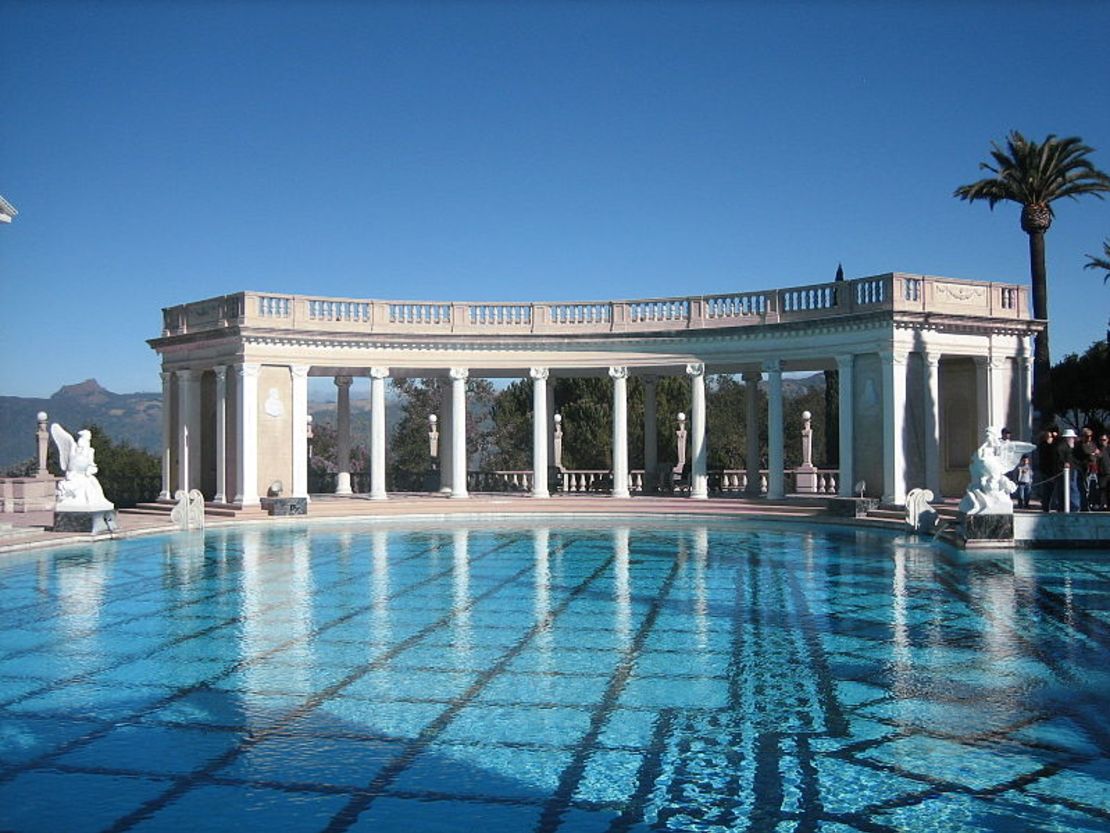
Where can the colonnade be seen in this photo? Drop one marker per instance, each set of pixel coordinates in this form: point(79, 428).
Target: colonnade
point(237, 419)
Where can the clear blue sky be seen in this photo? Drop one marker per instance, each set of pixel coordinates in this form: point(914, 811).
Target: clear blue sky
point(164, 152)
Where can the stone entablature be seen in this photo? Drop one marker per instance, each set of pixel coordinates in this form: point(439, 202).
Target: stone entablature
point(893, 292)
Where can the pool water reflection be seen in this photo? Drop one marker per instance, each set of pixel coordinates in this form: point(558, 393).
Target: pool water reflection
point(661, 675)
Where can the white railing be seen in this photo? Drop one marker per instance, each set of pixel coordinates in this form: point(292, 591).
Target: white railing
point(600, 481)
point(431, 315)
point(326, 310)
point(580, 313)
point(893, 291)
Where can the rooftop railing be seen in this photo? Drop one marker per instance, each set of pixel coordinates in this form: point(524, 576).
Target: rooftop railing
point(890, 292)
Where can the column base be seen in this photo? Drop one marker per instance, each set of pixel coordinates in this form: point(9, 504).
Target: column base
point(379, 497)
point(699, 496)
point(541, 494)
point(620, 494)
point(343, 483)
point(459, 495)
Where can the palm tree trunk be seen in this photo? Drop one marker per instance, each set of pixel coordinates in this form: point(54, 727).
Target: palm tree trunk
point(1042, 363)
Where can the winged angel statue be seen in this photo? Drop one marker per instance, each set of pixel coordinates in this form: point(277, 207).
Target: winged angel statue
point(79, 490)
point(989, 491)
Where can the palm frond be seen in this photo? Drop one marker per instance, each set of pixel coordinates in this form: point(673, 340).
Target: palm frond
point(1102, 263)
point(1037, 173)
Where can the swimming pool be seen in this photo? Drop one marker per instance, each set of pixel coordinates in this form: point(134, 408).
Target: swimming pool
point(614, 675)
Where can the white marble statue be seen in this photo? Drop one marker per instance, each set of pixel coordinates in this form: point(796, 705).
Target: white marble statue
point(989, 491)
point(79, 490)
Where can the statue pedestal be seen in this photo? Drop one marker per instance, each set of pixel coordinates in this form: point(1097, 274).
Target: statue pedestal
point(987, 527)
point(805, 480)
point(285, 505)
point(852, 507)
point(27, 494)
point(76, 520)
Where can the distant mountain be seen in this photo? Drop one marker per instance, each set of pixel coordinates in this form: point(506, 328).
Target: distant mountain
point(133, 417)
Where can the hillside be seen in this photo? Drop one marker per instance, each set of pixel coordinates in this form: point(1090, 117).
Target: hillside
point(134, 417)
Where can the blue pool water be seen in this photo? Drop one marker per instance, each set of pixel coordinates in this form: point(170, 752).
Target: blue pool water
point(704, 676)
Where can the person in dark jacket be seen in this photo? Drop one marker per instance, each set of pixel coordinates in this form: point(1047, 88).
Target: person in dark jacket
point(1069, 464)
point(1104, 470)
point(1046, 468)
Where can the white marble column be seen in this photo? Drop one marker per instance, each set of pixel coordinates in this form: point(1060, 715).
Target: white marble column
point(996, 399)
point(446, 441)
point(1024, 429)
point(539, 431)
point(550, 414)
point(343, 434)
point(982, 396)
point(246, 468)
point(699, 477)
point(930, 366)
point(221, 434)
point(299, 414)
point(188, 403)
point(751, 422)
point(619, 376)
point(776, 487)
point(167, 435)
point(651, 440)
point(846, 420)
point(459, 375)
point(894, 406)
point(378, 375)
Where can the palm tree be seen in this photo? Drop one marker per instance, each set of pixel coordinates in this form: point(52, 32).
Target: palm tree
point(1034, 175)
point(1102, 263)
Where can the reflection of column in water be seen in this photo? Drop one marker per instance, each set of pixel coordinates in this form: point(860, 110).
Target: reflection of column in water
point(461, 618)
point(622, 587)
point(903, 659)
point(255, 637)
point(379, 610)
point(541, 538)
point(80, 597)
point(300, 602)
point(701, 597)
point(345, 549)
point(995, 592)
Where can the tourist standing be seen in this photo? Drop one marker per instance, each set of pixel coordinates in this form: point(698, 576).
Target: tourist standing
point(1069, 479)
point(1086, 451)
point(1047, 468)
point(1103, 464)
point(1024, 474)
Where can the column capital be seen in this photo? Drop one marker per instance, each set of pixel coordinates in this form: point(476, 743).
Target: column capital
point(167, 376)
point(893, 357)
point(189, 375)
point(249, 369)
point(539, 373)
point(844, 361)
point(695, 370)
point(221, 372)
point(379, 373)
point(997, 362)
point(343, 381)
point(299, 371)
point(981, 361)
point(649, 379)
point(618, 372)
point(752, 376)
point(459, 374)
point(772, 366)
point(931, 357)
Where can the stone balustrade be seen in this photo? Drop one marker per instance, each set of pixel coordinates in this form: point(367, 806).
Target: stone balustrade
point(898, 292)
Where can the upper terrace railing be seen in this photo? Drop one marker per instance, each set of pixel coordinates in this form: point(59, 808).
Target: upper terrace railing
point(892, 291)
